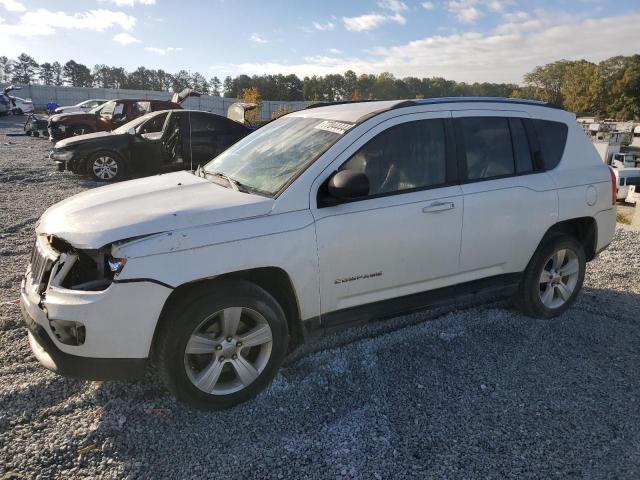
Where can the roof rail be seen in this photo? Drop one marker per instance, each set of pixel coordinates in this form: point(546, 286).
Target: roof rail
point(343, 102)
point(517, 101)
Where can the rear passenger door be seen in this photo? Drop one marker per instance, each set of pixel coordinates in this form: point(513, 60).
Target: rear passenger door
point(509, 201)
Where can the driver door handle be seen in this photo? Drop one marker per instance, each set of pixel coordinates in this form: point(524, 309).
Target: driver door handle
point(438, 207)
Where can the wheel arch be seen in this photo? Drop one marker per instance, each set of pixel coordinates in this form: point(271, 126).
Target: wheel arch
point(583, 229)
point(273, 280)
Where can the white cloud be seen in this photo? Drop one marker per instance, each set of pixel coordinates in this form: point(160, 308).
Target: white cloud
point(335, 51)
point(503, 55)
point(130, 3)
point(124, 39)
point(393, 5)
point(46, 22)
point(464, 10)
point(516, 16)
point(428, 5)
point(13, 5)
point(163, 51)
point(370, 21)
point(257, 38)
point(324, 26)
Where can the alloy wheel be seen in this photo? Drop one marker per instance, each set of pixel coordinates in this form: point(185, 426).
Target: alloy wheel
point(559, 278)
point(228, 350)
point(105, 168)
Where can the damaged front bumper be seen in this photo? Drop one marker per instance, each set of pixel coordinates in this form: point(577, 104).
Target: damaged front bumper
point(91, 334)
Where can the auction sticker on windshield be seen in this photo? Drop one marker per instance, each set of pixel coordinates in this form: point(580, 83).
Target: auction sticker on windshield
point(335, 127)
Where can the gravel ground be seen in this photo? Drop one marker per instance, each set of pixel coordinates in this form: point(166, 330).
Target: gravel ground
point(474, 392)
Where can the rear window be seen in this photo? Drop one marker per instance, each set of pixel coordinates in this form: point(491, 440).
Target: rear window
point(552, 137)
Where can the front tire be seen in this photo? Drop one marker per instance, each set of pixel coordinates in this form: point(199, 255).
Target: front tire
point(222, 345)
point(105, 166)
point(553, 278)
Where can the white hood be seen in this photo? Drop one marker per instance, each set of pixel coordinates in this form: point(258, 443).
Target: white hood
point(145, 206)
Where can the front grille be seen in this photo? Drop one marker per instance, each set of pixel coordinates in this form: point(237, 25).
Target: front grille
point(42, 259)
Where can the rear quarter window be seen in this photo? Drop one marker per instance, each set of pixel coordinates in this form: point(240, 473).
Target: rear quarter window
point(552, 137)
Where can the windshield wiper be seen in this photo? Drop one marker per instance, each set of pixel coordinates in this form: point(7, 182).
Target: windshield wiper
point(234, 184)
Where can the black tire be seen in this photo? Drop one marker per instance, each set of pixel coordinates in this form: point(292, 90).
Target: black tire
point(185, 317)
point(18, 111)
point(36, 134)
point(530, 291)
point(97, 163)
point(80, 130)
point(28, 133)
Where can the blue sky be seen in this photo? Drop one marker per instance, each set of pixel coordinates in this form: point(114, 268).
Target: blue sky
point(464, 40)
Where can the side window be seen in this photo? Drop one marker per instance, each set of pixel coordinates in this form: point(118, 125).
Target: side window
point(203, 123)
point(403, 157)
point(521, 150)
point(487, 144)
point(154, 125)
point(118, 111)
point(108, 109)
point(140, 108)
point(552, 137)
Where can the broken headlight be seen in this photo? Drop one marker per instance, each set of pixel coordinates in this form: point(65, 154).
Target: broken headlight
point(116, 264)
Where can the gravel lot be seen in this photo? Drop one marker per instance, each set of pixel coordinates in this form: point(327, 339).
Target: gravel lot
point(473, 392)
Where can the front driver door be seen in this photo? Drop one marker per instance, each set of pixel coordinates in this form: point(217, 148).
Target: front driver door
point(402, 239)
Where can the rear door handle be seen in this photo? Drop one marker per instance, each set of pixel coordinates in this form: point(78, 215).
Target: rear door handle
point(438, 207)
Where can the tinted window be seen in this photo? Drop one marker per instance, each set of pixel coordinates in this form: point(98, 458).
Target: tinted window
point(521, 150)
point(406, 156)
point(204, 123)
point(552, 137)
point(140, 108)
point(154, 125)
point(487, 143)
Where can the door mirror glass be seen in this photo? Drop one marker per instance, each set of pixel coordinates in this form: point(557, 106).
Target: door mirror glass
point(131, 131)
point(348, 184)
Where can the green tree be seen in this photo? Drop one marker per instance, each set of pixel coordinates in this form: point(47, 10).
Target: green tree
point(5, 69)
point(214, 86)
point(46, 73)
point(547, 80)
point(24, 69)
point(582, 87)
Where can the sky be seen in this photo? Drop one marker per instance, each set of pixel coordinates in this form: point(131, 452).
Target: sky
point(462, 40)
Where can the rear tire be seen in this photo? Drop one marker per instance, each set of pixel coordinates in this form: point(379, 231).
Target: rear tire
point(221, 345)
point(553, 278)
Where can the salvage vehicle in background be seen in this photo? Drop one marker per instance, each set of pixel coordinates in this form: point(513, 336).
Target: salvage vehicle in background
point(22, 106)
point(110, 115)
point(153, 143)
point(103, 118)
point(85, 106)
point(322, 218)
point(5, 104)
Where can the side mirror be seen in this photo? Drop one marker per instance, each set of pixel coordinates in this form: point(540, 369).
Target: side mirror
point(348, 184)
point(131, 131)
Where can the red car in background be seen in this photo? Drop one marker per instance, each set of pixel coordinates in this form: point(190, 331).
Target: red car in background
point(110, 115)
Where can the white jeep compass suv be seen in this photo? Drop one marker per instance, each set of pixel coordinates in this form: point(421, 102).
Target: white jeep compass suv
point(326, 217)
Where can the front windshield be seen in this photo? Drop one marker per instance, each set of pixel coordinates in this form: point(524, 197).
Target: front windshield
point(133, 123)
point(272, 156)
point(98, 108)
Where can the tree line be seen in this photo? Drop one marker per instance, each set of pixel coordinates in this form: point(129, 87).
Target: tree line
point(609, 89)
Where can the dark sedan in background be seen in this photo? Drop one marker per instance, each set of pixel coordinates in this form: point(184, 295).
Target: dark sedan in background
point(156, 142)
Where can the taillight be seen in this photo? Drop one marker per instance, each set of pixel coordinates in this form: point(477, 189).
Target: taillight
point(614, 186)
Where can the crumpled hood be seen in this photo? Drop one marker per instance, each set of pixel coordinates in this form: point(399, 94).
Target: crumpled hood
point(161, 203)
point(72, 141)
point(62, 117)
